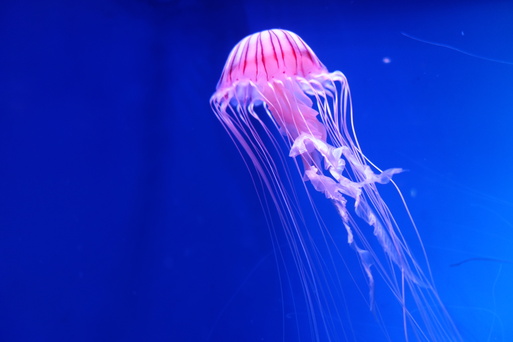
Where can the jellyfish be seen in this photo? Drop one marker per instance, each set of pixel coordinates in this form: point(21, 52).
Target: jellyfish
point(287, 114)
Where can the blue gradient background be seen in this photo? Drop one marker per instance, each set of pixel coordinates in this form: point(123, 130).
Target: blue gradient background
point(126, 213)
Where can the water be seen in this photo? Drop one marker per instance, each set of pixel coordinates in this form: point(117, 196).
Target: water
point(127, 214)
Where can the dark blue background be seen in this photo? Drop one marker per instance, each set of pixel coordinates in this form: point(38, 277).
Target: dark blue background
point(126, 213)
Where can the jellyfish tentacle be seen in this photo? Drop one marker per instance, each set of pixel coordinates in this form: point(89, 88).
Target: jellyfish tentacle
point(334, 185)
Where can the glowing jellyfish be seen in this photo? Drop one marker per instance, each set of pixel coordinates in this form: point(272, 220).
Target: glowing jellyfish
point(275, 95)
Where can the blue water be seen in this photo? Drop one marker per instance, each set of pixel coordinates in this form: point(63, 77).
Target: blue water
point(127, 214)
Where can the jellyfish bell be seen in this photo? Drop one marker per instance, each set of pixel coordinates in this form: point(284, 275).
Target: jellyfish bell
point(268, 67)
point(274, 94)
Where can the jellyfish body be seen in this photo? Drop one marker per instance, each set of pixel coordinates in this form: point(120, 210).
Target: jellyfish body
point(306, 113)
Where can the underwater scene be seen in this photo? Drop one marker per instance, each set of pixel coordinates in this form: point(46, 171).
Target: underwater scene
point(229, 171)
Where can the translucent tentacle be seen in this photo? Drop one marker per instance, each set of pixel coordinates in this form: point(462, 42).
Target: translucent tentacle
point(334, 185)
